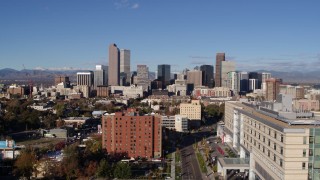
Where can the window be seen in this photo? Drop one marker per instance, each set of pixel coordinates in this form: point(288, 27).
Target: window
point(304, 140)
point(303, 165)
point(274, 146)
point(264, 139)
point(274, 158)
point(304, 153)
point(275, 135)
point(311, 139)
point(268, 142)
point(268, 153)
point(281, 150)
point(310, 152)
point(281, 138)
point(280, 162)
point(263, 149)
point(269, 131)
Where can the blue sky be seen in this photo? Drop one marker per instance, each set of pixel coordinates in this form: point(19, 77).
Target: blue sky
point(272, 35)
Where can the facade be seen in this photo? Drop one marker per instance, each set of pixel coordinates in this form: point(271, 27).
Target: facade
point(244, 82)
point(213, 92)
point(306, 105)
point(100, 76)
point(114, 65)
point(264, 77)
point(60, 79)
point(220, 57)
point(128, 134)
point(125, 64)
point(253, 84)
point(226, 66)
point(258, 76)
point(192, 111)
point(273, 88)
point(164, 73)
point(194, 77)
point(207, 75)
point(233, 82)
point(143, 77)
point(103, 91)
point(181, 123)
point(277, 147)
point(16, 90)
point(85, 78)
point(128, 91)
point(168, 122)
point(297, 92)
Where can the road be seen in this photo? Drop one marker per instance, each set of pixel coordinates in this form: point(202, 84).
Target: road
point(190, 166)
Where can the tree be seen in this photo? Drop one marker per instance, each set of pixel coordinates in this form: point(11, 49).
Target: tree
point(104, 170)
point(122, 171)
point(25, 163)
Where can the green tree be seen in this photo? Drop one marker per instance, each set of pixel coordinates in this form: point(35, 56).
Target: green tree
point(104, 170)
point(122, 171)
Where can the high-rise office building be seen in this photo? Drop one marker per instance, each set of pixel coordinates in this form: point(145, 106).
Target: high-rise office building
point(114, 66)
point(220, 57)
point(233, 81)
point(226, 66)
point(273, 88)
point(207, 75)
point(194, 77)
point(143, 77)
point(100, 76)
point(85, 78)
point(164, 74)
point(253, 84)
point(258, 76)
point(125, 65)
point(243, 82)
point(132, 135)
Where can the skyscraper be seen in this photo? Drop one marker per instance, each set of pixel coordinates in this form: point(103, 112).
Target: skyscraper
point(164, 74)
point(233, 81)
point(226, 66)
point(219, 58)
point(143, 77)
point(207, 75)
point(85, 78)
point(244, 82)
point(125, 64)
point(114, 65)
point(100, 76)
point(195, 77)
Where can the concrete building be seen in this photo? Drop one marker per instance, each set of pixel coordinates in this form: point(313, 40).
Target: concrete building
point(85, 78)
point(207, 75)
point(59, 79)
point(233, 82)
point(100, 76)
point(226, 66)
point(130, 135)
point(243, 82)
point(164, 74)
point(273, 88)
point(103, 91)
point(253, 84)
point(128, 91)
point(168, 122)
point(277, 147)
point(143, 77)
point(194, 77)
point(16, 90)
point(213, 92)
point(125, 64)
point(114, 65)
point(297, 92)
point(220, 57)
point(192, 111)
point(181, 123)
point(306, 105)
point(178, 89)
point(264, 77)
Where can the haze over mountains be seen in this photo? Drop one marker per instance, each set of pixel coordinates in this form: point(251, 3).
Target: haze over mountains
point(47, 76)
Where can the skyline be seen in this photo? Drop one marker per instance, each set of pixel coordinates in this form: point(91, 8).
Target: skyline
point(271, 35)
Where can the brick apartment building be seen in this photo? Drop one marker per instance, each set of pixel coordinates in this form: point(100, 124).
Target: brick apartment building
point(129, 134)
